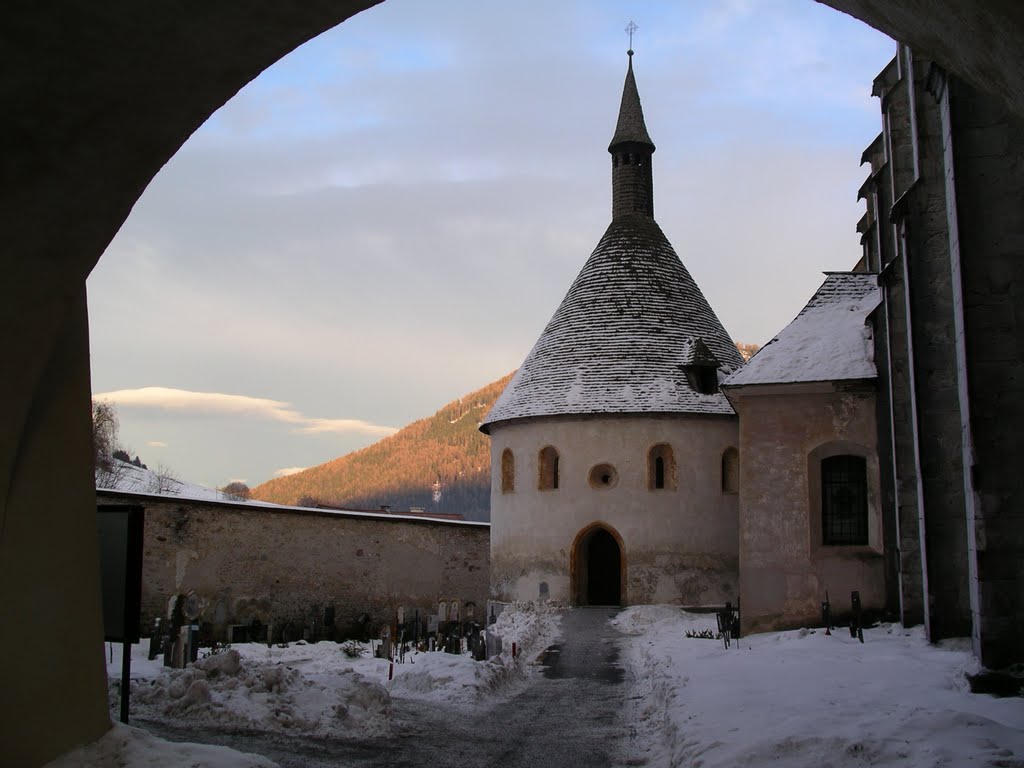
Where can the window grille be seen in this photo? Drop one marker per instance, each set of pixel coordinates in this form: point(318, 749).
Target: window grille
point(844, 500)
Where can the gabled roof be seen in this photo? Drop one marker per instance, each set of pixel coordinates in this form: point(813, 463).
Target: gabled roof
point(621, 339)
point(631, 127)
point(695, 353)
point(830, 340)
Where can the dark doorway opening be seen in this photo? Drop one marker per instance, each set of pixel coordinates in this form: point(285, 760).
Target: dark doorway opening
point(599, 569)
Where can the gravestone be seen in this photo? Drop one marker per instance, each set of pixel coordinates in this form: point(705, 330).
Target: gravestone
point(155, 640)
point(492, 642)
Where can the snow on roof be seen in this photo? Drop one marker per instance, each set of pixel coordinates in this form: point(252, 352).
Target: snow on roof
point(623, 337)
point(830, 340)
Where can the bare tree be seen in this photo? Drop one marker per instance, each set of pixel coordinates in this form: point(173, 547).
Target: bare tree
point(111, 471)
point(104, 434)
point(163, 481)
point(237, 490)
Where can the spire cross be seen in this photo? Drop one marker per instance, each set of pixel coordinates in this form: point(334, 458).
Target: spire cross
point(630, 29)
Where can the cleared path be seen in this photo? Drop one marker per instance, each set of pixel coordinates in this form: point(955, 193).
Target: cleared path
point(571, 715)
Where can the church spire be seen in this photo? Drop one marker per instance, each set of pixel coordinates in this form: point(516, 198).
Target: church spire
point(631, 149)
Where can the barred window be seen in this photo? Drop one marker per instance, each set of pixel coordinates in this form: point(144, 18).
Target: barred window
point(844, 500)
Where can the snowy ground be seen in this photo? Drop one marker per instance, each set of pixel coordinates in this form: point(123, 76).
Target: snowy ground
point(315, 689)
point(792, 698)
point(803, 698)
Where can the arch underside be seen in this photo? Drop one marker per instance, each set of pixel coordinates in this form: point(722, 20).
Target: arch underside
point(98, 98)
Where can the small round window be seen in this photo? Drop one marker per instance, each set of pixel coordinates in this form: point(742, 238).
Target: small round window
point(603, 476)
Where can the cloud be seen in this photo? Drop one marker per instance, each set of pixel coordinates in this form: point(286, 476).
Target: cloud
point(156, 444)
point(289, 471)
point(183, 400)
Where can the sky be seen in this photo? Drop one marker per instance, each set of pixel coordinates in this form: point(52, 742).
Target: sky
point(387, 218)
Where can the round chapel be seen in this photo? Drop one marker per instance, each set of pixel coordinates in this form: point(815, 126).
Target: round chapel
point(614, 455)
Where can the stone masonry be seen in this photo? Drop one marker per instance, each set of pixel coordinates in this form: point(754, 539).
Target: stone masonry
point(288, 564)
point(945, 230)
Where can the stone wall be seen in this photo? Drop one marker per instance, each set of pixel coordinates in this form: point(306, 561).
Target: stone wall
point(953, 370)
point(785, 570)
point(985, 166)
point(248, 562)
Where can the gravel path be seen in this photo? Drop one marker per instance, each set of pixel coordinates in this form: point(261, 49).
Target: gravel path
point(568, 716)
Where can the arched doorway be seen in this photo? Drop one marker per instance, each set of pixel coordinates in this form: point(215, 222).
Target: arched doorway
point(598, 567)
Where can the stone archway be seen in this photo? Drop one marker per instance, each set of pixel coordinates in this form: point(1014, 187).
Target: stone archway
point(598, 567)
point(99, 96)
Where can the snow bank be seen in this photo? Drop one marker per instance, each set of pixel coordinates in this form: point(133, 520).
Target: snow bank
point(314, 690)
point(126, 746)
point(802, 698)
point(318, 689)
point(444, 677)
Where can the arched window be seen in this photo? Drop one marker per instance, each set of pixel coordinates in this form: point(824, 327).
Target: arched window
point(508, 471)
point(844, 500)
point(547, 465)
point(731, 471)
point(661, 468)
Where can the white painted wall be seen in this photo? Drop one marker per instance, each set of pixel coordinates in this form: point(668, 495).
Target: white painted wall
point(681, 545)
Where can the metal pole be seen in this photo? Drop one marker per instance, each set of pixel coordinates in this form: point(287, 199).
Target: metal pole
point(126, 679)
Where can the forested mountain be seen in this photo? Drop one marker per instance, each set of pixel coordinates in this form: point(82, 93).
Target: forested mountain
point(441, 463)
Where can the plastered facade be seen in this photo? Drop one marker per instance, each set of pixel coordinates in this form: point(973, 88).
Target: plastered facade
point(679, 544)
point(785, 570)
point(245, 562)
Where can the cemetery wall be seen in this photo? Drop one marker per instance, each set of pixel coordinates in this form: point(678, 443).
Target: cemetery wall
point(291, 567)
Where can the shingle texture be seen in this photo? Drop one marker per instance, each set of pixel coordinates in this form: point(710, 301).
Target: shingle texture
point(622, 337)
point(830, 340)
point(631, 126)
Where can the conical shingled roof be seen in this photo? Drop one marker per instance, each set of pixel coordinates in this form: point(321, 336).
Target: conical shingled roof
point(622, 336)
point(633, 328)
point(631, 126)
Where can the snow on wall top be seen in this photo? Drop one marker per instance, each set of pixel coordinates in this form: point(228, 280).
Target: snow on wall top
point(623, 336)
point(830, 340)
